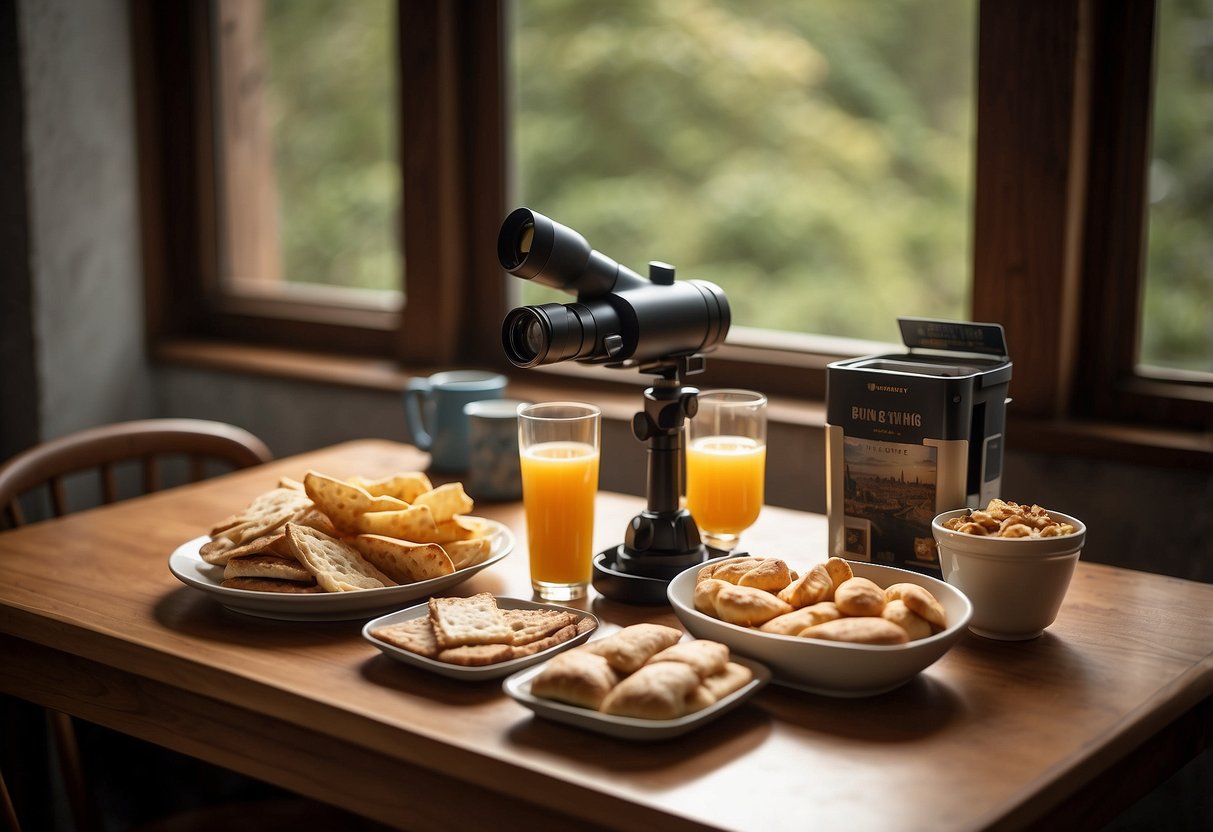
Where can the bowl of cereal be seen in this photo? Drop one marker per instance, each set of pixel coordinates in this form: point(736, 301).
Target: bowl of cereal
point(1014, 562)
point(836, 628)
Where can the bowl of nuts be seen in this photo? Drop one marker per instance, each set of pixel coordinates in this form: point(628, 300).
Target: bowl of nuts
point(1013, 561)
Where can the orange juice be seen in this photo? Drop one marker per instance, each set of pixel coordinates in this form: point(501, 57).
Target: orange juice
point(559, 482)
point(725, 482)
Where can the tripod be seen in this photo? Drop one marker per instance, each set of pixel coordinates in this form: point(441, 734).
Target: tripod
point(662, 540)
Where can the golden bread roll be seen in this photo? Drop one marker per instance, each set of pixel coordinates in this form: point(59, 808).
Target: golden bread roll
point(859, 597)
point(705, 595)
point(577, 677)
point(810, 588)
point(863, 630)
point(840, 571)
point(790, 624)
point(707, 658)
point(916, 626)
point(747, 606)
point(632, 646)
point(920, 601)
point(655, 691)
point(770, 574)
point(762, 573)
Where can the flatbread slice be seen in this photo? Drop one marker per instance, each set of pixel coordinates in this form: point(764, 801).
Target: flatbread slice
point(271, 585)
point(403, 561)
point(267, 566)
point(337, 565)
point(465, 553)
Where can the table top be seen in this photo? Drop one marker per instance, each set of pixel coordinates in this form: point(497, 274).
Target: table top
point(994, 734)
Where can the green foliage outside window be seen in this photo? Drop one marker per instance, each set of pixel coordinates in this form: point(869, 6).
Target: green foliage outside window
point(814, 159)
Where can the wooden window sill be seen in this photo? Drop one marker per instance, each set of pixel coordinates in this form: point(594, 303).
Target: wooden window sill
point(618, 394)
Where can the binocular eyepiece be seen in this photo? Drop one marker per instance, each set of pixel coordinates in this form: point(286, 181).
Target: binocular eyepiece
point(619, 317)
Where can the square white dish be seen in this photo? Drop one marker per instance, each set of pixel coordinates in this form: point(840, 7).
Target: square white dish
point(481, 673)
point(518, 687)
point(188, 566)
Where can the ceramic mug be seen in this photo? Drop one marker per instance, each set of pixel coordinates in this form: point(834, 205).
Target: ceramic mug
point(493, 440)
point(433, 408)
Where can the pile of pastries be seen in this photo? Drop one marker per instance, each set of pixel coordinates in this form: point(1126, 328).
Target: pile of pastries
point(827, 602)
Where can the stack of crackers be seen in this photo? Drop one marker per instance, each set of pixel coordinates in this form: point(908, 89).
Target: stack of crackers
point(475, 632)
point(331, 535)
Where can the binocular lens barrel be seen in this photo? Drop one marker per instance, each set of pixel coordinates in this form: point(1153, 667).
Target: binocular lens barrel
point(619, 316)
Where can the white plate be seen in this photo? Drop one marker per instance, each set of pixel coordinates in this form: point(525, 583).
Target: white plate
point(189, 567)
point(832, 668)
point(491, 671)
point(518, 687)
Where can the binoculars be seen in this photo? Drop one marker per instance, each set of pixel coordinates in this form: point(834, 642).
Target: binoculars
point(619, 318)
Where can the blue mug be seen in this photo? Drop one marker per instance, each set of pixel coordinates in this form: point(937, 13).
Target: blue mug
point(433, 408)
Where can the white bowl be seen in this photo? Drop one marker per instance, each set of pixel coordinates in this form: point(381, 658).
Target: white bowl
point(1016, 584)
point(829, 667)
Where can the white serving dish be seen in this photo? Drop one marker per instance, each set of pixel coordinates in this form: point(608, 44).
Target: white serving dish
point(474, 674)
point(188, 566)
point(827, 667)
point(518, 687)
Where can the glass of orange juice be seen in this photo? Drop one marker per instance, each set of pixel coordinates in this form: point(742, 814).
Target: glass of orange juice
point(726, 464)
point(558, 445)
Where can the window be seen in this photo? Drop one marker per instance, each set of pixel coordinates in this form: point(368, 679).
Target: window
point(1177, 307)
point(307, 180)
point(808, 158)
point(1060, 102)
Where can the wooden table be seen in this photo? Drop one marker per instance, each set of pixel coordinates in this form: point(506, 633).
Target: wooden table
point(1069, 727)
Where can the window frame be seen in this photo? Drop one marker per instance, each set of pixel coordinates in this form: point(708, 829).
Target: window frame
point(1062, 147)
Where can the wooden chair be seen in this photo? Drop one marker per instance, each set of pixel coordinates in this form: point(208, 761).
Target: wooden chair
point(103, 449)
point(151, 445)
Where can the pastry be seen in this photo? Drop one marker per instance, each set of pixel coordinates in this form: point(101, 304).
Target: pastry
point(655, 691)
point(791, 623)
point(627, 650)
point(747, 606)
point(577, 677)
point(859, 597)
point(862, 630)
point(810, 588)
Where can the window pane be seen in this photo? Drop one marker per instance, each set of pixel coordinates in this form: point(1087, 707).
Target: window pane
point(309, 184)
point(813, 159)
point(1177, 321)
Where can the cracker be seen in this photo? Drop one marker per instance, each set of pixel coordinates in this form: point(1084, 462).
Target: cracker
point(403, 561)
point(415, 635)
point(532, 625)
point(445, 501)
point(265, 513)
point(337, 565)
point(565, 633)
point(475, 620)
point(267, 566)
point(465, 553)
point(271, 585)
point(476, 655)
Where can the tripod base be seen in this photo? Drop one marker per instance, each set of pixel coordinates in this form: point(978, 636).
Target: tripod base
point(650, 588)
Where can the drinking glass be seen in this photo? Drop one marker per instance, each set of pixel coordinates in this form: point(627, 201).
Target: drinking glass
point(558, 445)
point(726, 464)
